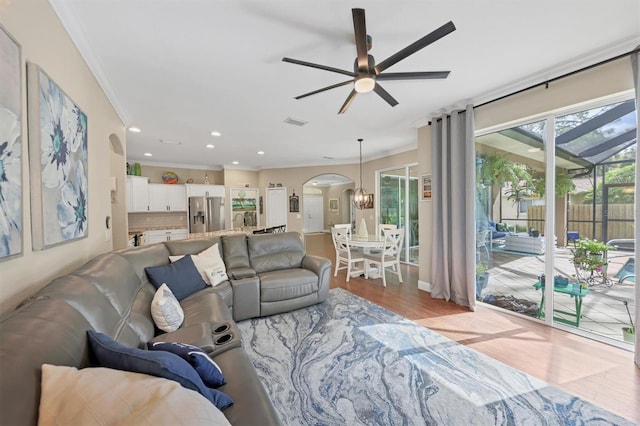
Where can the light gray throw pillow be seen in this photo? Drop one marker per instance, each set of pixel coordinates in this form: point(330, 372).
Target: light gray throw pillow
point(166, 310)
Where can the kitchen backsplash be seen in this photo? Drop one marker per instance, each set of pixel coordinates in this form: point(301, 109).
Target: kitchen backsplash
point(152, 220)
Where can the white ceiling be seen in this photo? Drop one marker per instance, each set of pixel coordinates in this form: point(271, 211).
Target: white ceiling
point(179, 69)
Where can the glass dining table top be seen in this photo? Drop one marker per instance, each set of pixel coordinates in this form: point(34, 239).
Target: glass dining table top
point(370, 241)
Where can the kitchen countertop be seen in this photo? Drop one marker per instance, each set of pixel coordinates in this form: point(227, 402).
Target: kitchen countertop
point(153, 228)
point(244, 230)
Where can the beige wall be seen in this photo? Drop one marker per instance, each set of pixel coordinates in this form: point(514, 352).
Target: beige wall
point(45, 42)
point(342, 215)
point(295, 177)
point(599, 82)
point(154, 173)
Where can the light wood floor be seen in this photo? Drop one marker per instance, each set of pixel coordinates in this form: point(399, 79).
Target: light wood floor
point(596, 372)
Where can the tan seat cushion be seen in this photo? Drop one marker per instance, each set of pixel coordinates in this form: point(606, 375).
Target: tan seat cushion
point(99, 396)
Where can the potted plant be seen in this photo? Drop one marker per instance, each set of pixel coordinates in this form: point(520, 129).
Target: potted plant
point(629, 333)
point(482, 278)
point(590, 260)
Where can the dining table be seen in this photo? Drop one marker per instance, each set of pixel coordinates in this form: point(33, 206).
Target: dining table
point(366, 243)
point(372, 241)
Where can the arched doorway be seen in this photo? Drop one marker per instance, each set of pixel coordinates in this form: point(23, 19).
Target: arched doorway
point(326, 200)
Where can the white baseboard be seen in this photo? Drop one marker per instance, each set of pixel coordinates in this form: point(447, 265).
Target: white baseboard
point(424, 286)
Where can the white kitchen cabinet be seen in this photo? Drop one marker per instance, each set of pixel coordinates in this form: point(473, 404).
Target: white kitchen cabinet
point(167, 198)
point(160, 235)
point(137, 191)
point(276, 206)
point(198, 190)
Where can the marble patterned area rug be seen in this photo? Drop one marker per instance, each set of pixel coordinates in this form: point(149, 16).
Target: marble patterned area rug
point(350, 362)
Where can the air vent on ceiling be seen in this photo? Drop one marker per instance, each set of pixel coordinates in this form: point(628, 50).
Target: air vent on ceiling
point(170, 142)
point(327, 157)
point(295, 121)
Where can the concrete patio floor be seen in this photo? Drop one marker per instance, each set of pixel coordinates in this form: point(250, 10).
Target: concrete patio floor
point(603, 311)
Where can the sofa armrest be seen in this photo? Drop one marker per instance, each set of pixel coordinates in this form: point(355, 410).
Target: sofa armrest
point(240, 273)
point(321, 266)
point(246, 298)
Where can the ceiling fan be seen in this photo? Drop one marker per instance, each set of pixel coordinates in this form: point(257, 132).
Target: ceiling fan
point(366, 73)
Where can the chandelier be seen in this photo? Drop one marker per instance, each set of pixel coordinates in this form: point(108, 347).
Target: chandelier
point(360, 194)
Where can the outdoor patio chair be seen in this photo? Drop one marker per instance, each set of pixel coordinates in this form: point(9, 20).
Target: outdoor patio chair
point(572, 237)
point(482, 238)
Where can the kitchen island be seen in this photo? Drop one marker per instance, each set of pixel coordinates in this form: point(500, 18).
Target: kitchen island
point(248, 230)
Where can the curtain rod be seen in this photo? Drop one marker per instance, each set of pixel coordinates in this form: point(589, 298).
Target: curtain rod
point(546, 82)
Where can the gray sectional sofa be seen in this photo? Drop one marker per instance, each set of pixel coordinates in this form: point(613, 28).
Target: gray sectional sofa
point(268, 274)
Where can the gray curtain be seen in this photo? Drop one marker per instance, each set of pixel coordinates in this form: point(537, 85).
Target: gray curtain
point(635, 64)
point(453, 195)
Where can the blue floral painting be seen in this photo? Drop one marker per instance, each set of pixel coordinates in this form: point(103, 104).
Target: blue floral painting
point(58, 158)
point(10, 147)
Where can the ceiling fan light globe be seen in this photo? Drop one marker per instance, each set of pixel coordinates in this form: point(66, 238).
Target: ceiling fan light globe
point(364, 84)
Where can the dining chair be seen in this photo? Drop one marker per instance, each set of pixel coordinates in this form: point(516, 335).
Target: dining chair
point(388, 257)
point(346, 226)
point(381, 228)
point(384, 226)
point(346, 257)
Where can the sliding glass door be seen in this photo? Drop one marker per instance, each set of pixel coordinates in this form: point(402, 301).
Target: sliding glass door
point(398, 189)
point(555, 230)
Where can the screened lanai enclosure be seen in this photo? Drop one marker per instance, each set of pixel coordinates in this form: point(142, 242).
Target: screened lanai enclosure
point(593, 167)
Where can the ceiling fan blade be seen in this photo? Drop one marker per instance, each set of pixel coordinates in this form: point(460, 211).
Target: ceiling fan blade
point(333, 86)
point(360, 32)
point(346, 104)
point(385, 95)
point(412, 75)
point(320, 67)
point(414, 47)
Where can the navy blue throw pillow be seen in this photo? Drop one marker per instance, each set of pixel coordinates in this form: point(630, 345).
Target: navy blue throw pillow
point(209, 371)
point(112, 354)
point(181, 277)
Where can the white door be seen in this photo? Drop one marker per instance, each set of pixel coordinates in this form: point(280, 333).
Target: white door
point(313, 214)
point(277, 204)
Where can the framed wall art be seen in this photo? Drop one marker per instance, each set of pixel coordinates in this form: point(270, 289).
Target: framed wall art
point(368, 204)
point(425, 190)
point(11, 230)
point(58, 160)
point(334, 205)
point(294, 203)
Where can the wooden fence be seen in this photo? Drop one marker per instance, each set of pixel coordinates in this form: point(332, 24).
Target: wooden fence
point(580, 219)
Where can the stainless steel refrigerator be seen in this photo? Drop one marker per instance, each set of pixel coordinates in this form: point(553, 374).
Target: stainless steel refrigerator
point(206, 214)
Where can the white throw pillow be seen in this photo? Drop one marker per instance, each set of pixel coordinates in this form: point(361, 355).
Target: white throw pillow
point(100, 396)
point(166, 310)
point(216, 274)
point(210, 265)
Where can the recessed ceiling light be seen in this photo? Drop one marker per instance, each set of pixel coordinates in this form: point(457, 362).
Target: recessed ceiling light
point(234, 162)
point(210, 145)
point(216, 133)
point(148, 154)
point(534, 150)
point(260, 152)
point(134, 129)
point(314, 183)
